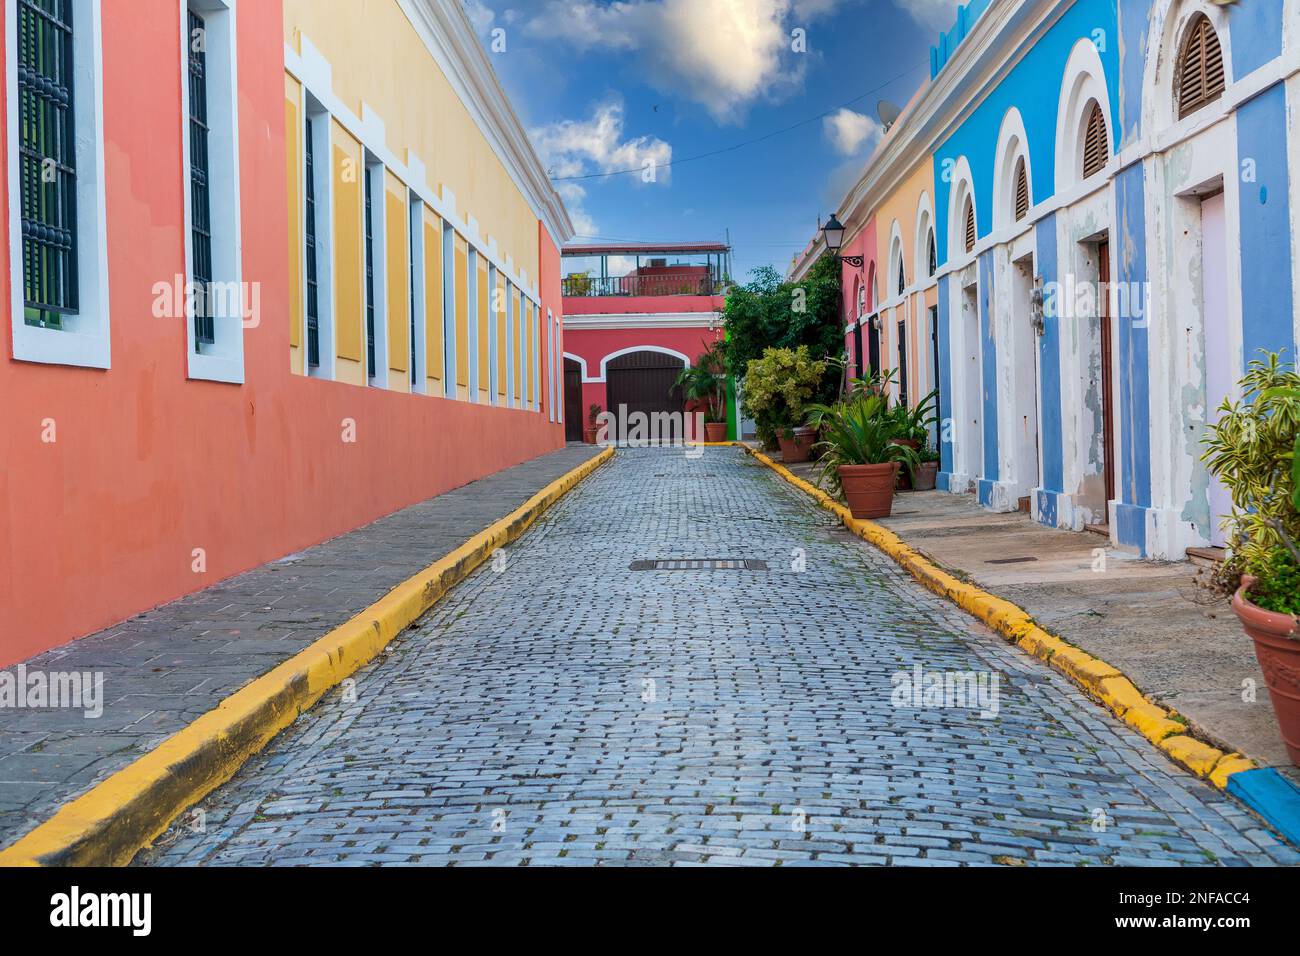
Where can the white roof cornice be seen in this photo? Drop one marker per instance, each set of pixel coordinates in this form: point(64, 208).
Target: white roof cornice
point(997, 41)
point(450, 39)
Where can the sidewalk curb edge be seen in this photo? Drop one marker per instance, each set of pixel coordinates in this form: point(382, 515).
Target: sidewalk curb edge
point(1101, 681)
point(115, 819)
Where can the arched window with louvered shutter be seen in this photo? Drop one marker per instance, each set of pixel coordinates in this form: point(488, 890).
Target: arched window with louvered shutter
point(1022, 190)
point(1095, 148)
point(933, 254)
point(1200, 76)
point(970, 224)
point(902, 277)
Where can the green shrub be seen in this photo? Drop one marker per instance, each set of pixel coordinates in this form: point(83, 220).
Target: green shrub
point(1254, 449)
point(778, 387)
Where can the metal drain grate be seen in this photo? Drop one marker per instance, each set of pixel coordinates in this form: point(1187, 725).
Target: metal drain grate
point(699, 564)
point(1010, 560)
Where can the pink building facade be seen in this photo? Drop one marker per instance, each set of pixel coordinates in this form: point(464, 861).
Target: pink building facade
point(634, 318)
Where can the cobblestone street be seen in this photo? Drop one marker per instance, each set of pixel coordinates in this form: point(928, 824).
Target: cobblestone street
point(561, 708)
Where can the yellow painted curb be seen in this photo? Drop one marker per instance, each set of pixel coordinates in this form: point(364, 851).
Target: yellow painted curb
point(109, 824)
point(1097, 678)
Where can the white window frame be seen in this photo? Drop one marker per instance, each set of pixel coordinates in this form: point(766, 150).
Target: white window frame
point(524, 311)
point(471, 327)
point(550, 365)
point(510, 345)
point(223, 360)
point(493, 344)
point(84, 340)
point(1083, 81)
point(419, 306)
point(378, 180)
point(449, 367)
point(323, 164)
point(559, 370)
point(535, 366)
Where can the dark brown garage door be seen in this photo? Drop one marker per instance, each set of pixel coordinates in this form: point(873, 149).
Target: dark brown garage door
point(574, 414)
point(644, 382)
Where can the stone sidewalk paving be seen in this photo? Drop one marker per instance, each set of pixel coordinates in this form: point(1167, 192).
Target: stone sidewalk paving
point(1146, 618)
point(166, 667)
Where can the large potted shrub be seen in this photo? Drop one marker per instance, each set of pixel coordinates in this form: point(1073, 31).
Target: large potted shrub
point(778, 389)
point(1254, 449)
point(705, 384)
point(859, 456)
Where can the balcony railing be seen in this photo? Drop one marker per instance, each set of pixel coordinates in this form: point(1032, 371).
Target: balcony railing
point(633, 285)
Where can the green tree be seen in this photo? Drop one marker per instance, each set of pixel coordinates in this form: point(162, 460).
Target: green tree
point(770, 313)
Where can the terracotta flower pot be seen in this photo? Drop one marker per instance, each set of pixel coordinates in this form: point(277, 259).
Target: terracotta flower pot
point(1277, 647)
point(904, 476)
point(926, 477)
point(798, 447)
point(589, 435)
point(869, 489)
point(715, 431)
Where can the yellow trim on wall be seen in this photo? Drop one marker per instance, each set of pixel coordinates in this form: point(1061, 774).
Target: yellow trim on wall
point(433, 337)
point(462, 315)
point(293, 127)
point(349, 258)
point(397, 252)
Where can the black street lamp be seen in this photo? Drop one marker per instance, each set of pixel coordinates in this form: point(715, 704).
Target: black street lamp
point(833, 232)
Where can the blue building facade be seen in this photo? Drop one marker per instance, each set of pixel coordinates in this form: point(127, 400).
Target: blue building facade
point(1116, 218)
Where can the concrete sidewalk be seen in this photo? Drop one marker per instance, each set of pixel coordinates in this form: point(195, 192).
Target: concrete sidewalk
point(1145, 618)
point(166, 667)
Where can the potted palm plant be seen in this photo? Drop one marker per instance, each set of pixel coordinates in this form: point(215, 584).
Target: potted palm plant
point(927, 472)
point(778, 387)
point(913, 431)
point(1254, 449)
point(859, 456)
point(704, 383)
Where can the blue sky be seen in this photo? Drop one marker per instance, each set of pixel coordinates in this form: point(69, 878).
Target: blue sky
point(610, 85)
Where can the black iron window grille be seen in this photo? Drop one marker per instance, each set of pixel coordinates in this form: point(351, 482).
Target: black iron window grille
point(200, 185)
point(47, 165)
point(902, 364)
point(313, 300)
point(370, 278)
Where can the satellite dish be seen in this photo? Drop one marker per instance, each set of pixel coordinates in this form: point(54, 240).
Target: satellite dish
point(888, 113)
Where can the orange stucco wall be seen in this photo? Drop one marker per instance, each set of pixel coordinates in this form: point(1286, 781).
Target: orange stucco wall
point(147, 466)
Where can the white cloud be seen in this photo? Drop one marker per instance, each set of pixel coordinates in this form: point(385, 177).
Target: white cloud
point(723, 54)
point(596, 145)
point(578, 147)
point(483, 18)
point(933, 14)
point(849, 131)
point(480, 14)
point(573, 196)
